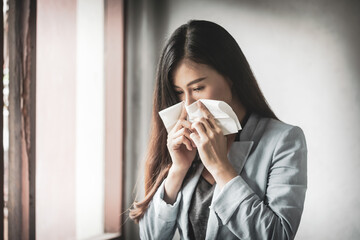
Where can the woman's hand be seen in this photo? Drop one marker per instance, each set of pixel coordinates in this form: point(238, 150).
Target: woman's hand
point(212, 147)
point(181, 148)
point(182, 151)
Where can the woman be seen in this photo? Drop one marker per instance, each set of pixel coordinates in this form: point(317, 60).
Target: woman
point(247, 185)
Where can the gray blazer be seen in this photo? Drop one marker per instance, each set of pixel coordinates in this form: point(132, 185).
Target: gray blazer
point(266, 199)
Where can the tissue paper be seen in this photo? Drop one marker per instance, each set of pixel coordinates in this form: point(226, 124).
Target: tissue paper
point(222, 112)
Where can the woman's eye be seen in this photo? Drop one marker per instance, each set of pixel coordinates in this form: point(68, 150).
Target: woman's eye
point(178, 93)
point(198, 89)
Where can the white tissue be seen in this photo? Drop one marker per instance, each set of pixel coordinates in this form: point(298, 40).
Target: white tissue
point(222, 112)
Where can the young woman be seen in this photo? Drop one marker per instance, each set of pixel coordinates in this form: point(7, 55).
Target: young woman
point(247, 185)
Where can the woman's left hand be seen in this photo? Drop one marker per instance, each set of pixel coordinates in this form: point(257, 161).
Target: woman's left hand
point(212, 146)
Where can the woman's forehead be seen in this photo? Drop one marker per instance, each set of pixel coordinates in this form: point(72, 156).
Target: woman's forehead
point(188, 71)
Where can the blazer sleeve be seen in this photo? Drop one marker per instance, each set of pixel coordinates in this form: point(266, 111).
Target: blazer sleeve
point(159, 220)
point(278, 215)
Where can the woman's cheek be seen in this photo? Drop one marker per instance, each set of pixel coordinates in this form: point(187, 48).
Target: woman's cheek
point(217, 95)
point(210, 93)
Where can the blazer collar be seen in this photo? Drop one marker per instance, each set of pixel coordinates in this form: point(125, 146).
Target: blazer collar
point(248, 130)
point(239, 151)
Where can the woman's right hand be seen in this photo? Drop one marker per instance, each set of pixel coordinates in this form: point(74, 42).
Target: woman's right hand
point(182, 149)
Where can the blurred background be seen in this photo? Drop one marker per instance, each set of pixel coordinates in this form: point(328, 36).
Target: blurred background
point(78, 81)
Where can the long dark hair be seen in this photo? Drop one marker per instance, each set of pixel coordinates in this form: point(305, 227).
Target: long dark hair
point(206, 43)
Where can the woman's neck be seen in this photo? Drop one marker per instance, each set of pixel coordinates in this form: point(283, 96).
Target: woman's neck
point(240, 112)
point(230, 140)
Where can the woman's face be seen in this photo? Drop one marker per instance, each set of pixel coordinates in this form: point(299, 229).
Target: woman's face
point(193, 81)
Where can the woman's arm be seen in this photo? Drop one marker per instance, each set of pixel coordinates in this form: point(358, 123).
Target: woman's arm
point(159, 220)
point(173, 184)
point(278, 215)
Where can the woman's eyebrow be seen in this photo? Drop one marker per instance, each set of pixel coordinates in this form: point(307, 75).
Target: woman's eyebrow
point(193, 82)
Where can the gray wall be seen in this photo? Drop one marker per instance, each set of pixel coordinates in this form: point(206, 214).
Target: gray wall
point(305, 56)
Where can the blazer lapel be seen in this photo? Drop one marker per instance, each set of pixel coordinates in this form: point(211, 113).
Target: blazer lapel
point(238, 154)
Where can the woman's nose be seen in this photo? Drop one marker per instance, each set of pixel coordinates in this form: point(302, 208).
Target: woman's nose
point(189, 100)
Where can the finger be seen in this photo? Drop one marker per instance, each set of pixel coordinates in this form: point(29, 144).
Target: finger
point(186, 132)
point(183, 131)
point(208, 128)
point(205, 111)
point(195, 138)
point(182, 140)
point(181, 123)
point(215, 125)
point(198, 126)
point(192, 141)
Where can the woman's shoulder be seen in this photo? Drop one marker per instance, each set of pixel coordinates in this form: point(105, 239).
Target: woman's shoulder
point(280, 138)
point(276, 128)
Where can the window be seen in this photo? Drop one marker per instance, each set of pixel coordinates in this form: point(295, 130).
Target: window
point(68, 142)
